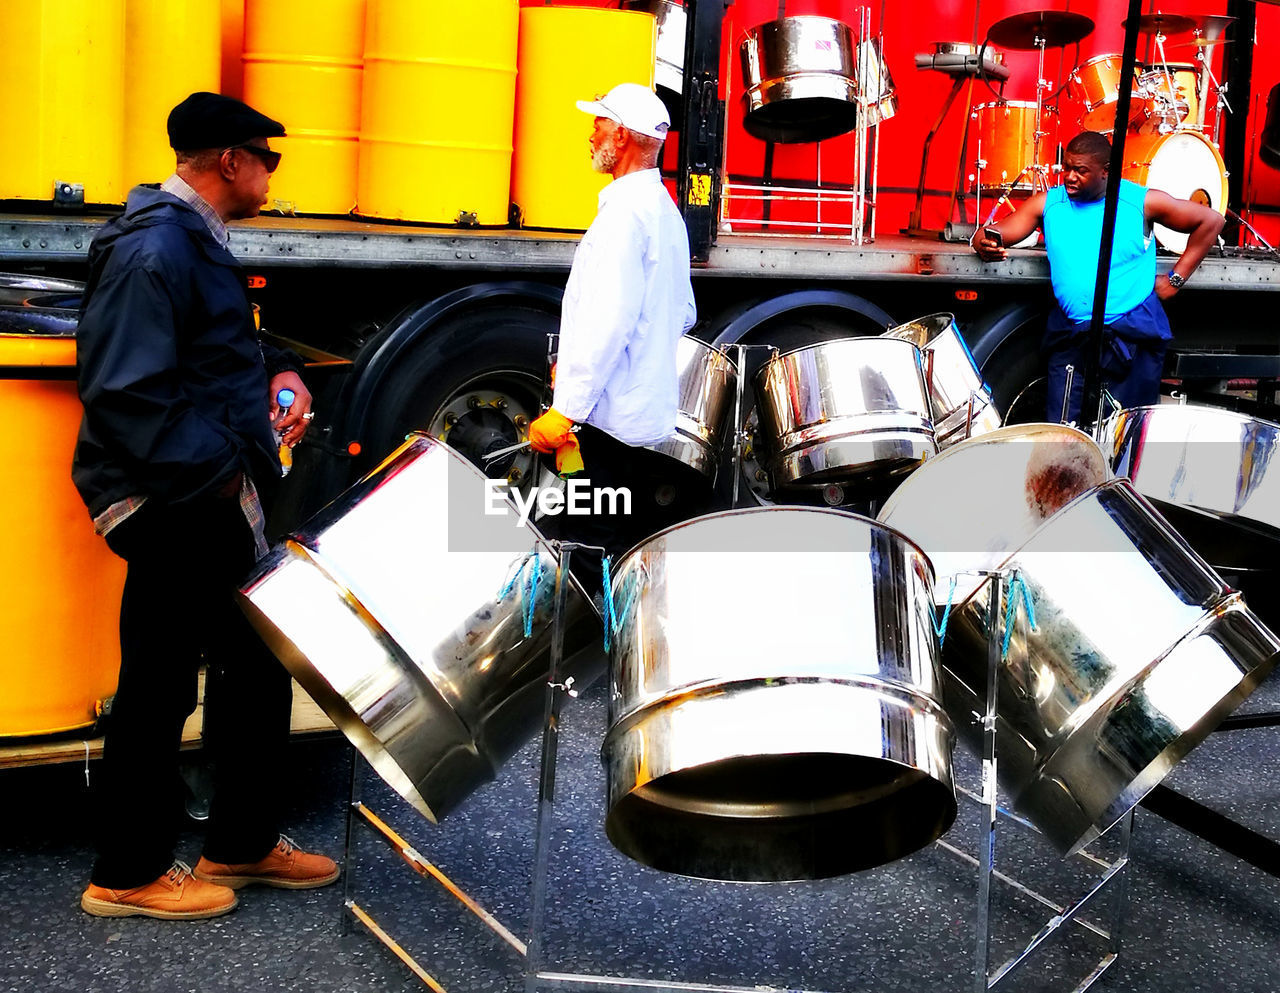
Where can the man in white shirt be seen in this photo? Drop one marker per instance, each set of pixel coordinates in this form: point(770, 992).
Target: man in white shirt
point(627, 302)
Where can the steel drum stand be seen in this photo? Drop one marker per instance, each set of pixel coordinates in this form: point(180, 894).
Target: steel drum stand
point(1113, 874)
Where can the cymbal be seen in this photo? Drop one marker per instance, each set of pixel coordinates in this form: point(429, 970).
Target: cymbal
point(1165, 24)
point(1054, 28)
point(1211, 25)
point(1203, 43)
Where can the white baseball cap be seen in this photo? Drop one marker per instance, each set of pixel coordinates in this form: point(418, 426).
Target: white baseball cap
point(637, 108)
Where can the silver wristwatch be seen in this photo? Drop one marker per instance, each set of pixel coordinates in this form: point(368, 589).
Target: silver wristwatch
point(1176, 281)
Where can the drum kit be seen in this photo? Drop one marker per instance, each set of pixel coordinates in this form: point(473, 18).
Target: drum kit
point(1169, 145)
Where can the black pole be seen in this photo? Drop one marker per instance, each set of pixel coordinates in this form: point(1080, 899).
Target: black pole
point(1237, 77)
point(702, 134)
point(1093, 355)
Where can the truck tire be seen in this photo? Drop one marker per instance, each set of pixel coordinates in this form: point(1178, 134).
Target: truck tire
point(473, 375)
point(1006, 344)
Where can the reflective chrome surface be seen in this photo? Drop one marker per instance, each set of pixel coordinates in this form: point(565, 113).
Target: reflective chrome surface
point(975, 503)
point(707, 384)
point(1214, 473)
point(1139, 649)
point(961, 403)
point(793, 747)
point(844, 410)
point(384, 608)
point(668, 73)
point(800, 79)
point(877, 96)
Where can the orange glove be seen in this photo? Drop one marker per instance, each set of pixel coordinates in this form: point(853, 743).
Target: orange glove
point(569, 457)
point(550, 431)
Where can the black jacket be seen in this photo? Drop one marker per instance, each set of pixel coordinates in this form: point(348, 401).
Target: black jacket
point(171, 373)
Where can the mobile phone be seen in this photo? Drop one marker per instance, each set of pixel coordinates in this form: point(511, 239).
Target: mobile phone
point(994, 235)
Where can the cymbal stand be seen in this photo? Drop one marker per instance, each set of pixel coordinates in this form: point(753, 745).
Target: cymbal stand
point(1205, 57)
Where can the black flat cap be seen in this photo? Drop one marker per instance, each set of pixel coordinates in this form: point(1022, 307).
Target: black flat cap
point(210, 120)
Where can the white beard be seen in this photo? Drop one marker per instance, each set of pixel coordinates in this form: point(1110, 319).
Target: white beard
point(603, 159)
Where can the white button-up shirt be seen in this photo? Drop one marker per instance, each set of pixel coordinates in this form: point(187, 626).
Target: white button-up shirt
point(627, 302)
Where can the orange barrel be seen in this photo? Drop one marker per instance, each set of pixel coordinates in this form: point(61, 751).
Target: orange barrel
point(62, 98)
point(171, 51)
point(302, 66)
point(59, 619)
point(569, 54)
point(232, 48)
point(439, 96)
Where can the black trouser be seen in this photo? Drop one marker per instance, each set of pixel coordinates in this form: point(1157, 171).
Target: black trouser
point(663, 492)
point(184, 564)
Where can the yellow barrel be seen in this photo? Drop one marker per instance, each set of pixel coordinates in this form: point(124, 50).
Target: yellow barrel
point(569, 54)
point(439, 96)
point(62, 98)
point(59, 618)
point(171, 51)
point(232, 48)
point(302, 66)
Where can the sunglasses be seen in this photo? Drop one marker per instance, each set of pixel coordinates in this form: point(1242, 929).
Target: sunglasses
point(270, 158)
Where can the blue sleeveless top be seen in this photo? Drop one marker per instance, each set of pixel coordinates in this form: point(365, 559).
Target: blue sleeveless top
point(1072, 237)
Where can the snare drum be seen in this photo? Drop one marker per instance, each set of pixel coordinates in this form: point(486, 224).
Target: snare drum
point(1007, 143)
point(1185, 165)
point(1095, 87)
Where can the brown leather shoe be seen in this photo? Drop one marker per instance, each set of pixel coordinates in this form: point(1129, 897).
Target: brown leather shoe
point(286, 866)
point(175, 896)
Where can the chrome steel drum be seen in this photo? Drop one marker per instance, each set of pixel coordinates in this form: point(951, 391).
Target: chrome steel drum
point(707, 384)
point(385, 607)
point(844, 410)
point(801, 749)
point(668, 75)
point(961, 403)
point(1214, 473)
point(980, 499)
point(877, 96)
point(1138, 650)
point(800, 79)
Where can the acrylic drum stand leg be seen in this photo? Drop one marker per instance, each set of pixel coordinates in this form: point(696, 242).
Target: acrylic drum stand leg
point(987, 839)
point(556, 691)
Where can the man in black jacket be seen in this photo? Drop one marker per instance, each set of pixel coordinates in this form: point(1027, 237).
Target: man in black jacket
point(177, 450)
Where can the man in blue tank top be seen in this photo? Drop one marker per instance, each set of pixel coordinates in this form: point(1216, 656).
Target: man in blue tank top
point(1136, 331)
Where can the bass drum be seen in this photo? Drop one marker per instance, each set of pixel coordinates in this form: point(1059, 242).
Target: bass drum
point(1185, 165)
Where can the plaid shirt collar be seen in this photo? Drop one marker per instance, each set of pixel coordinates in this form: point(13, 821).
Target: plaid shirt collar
point(176, 186)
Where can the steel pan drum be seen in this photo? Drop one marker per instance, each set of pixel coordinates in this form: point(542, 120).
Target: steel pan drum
point(707, 384)
point(1139, 649)
point(961, 403)
point(1213, 473)
point(385, 607)
point(803, 749)
point(668, 70)
point(844, 410)
point(974, 503)
point(800, 79)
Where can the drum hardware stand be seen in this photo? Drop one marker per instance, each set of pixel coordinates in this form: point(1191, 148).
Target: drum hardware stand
point(915, 221)
point(359, 814)
point(984, 979)
point(740, 435)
